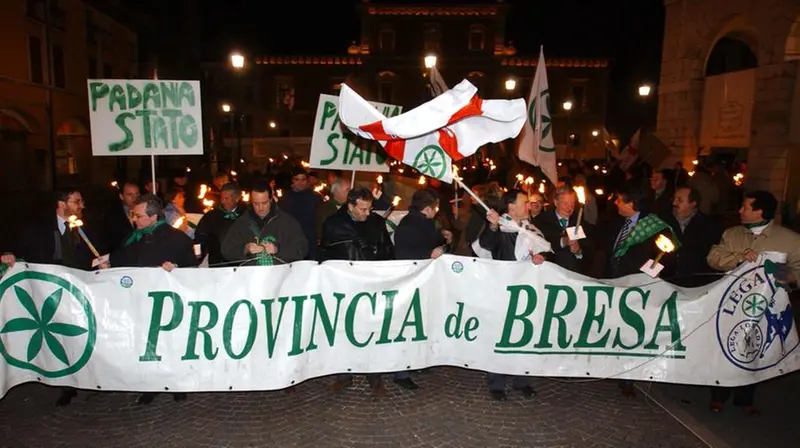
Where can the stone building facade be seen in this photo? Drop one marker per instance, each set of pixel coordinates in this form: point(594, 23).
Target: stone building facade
point(386, 65)
point(730, 87)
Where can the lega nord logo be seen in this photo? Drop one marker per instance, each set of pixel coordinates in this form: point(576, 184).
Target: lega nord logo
point(754, 320)
point(49, 325)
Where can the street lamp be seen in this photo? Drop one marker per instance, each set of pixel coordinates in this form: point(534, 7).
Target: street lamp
point(595, 133)
point(272, 125)
point(567, 105)
point(430, 61)
point(226, 107)
point(644, 90)
point(237, 60)
point(511, 84)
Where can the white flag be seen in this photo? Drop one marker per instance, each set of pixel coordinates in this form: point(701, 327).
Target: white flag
point(438, 86)
point(536, 145)
point(449, 127)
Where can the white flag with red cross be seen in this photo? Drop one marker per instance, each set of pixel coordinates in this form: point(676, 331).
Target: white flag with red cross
point(429, 137)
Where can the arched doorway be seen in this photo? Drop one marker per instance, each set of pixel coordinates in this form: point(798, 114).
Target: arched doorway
point(728, 101)
point(73, 153)
point(14, 131)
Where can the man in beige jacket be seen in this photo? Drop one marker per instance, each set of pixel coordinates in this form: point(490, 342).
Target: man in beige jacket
point(757, 234)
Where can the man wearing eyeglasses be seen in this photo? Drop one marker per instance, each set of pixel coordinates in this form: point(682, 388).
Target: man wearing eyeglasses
point(53, 241)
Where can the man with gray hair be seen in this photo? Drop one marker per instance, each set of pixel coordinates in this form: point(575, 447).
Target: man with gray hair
point(340, 187)
point(154, 243)
point(214, 226)
point(568, 253)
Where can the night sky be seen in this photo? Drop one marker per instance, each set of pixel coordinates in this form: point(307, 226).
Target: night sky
point(630, 32)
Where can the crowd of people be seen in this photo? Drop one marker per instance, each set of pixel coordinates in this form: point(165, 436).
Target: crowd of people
point(313, 220)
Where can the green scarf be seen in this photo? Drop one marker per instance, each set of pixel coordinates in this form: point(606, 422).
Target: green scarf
point(643, 230)
point(263, 258)
point(233, 215)
point(138, 234)
point(755, 224)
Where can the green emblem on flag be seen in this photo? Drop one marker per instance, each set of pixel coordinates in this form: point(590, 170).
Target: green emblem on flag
point(34, 338)
point(546, 120)
point(431, 162)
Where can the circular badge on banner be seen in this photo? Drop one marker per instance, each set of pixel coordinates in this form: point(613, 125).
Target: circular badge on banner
point(457, 267)
point(35, 336)
point(431, 161)
point(126, 282)
point(755, 323)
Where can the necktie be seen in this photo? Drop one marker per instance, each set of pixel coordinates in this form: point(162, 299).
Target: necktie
point(623, 234)
point(563, 223)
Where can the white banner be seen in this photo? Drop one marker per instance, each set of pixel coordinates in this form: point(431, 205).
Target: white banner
point(266, 328)
point(334, 148)
point(139, 117)
point(728, 109)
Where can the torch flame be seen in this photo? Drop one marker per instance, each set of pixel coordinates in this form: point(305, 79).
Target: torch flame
point(664, 244)
point(529, 180)
point(203, 191)
point(74, 221)
point(396, 201)
point(541, 188)
point(114, 184)
point(319, 188)
point(581, 194)
point(279, 193)
point(520, 177)
point(178, 223)
point(379, 179)
point(305, 164)
point(245, 196)
point(422, 180)
point(599, 192)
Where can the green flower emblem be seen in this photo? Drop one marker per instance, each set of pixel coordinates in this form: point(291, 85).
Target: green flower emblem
point(44, 331)
point(754, 305)
point(546, 120)
point(431, 162)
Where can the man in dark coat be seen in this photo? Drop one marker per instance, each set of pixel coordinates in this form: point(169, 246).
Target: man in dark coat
point(301, 202)
point(630, 242)
point(574, 255)
point(416, 237)
point(53, 241)
point(663, 191)
point(154, 243)
point(354, 233)
point(697, 233)
point(264, 235)
point(118, 223)
point(214, 225)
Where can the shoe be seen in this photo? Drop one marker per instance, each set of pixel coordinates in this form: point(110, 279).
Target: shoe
point(499, 395)
point(179, 396)
point(146, 398)
point(716, 406)
point(527, 391)
point(628, 391)
point(338, 385)
point(378, 389)
point(407, 384)
point(66, 397)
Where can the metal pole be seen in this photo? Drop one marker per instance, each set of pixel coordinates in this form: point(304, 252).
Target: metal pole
point(153, 171)
point(51, 143)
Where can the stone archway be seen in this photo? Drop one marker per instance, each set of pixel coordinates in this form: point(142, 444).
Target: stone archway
point(14, 131)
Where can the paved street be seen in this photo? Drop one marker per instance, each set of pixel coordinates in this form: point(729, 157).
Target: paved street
point(452, 409)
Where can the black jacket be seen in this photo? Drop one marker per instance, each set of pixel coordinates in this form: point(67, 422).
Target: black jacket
point(211, 231)
point(416, 237)
point(290, 240)
point(345, 239)
point(634, 259)
point(42, 242)
point(688, 266)
point(153, 250)
point(547, 222)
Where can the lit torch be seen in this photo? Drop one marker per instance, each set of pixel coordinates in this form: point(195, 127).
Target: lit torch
point(75, 223)
point(579, 191)
point(208, 204)
point(379, 179)
point(396, 201)
point(421, 180)
point(203, 191)
point(665, 245)
point(520, 178)
point(178, 223)
point(245, 196)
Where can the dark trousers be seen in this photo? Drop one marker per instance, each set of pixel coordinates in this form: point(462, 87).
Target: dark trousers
point(497, 381)
point(742, 396)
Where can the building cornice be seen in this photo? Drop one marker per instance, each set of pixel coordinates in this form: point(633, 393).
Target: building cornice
point(555, 62)
point(308, 60)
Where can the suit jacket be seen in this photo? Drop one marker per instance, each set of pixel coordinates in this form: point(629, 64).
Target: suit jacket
point(42, 240)
point(636, 256)
point(117, 227)
point(547, 222)
point(688, 264)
